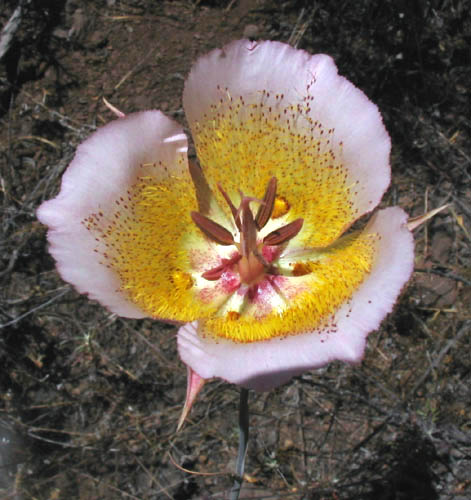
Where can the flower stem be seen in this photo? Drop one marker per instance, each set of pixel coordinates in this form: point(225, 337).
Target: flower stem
point(243, 441)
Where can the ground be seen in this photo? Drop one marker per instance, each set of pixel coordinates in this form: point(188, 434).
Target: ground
point(89, 401)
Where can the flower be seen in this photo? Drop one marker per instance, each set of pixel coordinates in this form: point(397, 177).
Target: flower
point(253, 251)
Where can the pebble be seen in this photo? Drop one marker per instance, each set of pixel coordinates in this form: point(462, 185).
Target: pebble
point(251, 31)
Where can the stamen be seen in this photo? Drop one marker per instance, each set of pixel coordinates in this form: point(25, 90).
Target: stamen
point(212, 229)
point(202, 189)
point(266, 207)
point(284, 233)
point(215, 273)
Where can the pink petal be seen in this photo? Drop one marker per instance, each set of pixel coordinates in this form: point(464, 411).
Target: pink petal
point(104, 167)
point(265, 365)
point(247, 68)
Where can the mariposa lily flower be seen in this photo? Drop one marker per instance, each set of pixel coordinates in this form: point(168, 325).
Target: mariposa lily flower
point(252, 250)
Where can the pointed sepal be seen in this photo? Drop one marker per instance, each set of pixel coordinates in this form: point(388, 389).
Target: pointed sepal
point(194, 385)
point(415, 222)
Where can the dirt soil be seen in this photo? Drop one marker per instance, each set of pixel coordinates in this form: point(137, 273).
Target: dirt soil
point(89, 401)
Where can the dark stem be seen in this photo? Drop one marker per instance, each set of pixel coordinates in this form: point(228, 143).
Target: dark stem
point(243, 441)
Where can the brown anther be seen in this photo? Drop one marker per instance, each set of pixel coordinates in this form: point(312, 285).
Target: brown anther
point(216, 272)
point(235, 214)
point(266, 207)
point(212, 230)
point(213, 274)
point(284, 233)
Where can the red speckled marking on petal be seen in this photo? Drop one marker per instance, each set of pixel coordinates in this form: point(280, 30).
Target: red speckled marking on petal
point(271, 253)
point(229, 281)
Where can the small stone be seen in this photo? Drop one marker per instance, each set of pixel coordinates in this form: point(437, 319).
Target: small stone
point(251, 31)
point(97, 39)
point(441, 247)
point(80, 23)
point(60, 33)
point(436, 291)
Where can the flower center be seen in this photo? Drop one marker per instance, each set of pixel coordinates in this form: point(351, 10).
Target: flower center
point(254, 257)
